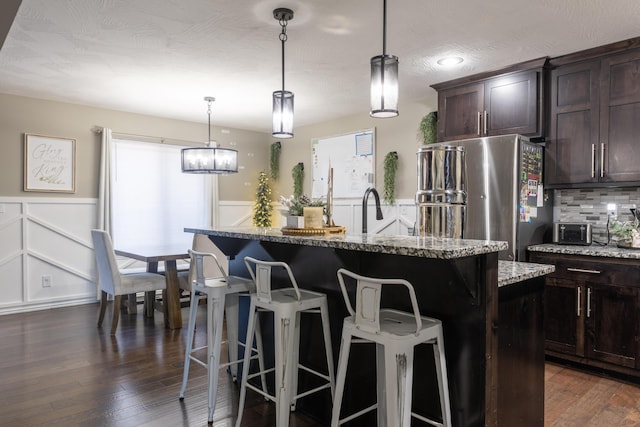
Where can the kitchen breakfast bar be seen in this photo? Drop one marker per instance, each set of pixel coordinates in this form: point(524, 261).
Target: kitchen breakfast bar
point(491, 311)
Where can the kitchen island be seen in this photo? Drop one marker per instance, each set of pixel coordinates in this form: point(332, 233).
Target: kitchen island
point(456, 281)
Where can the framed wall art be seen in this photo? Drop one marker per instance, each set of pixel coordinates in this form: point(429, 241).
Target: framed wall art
point(49, 164)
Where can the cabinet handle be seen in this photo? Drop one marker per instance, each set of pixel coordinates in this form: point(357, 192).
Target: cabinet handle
point(588, 302)
point(593, 160)
point(579, 289)
point(486, 120)
point(581, 270)
point(479, 123)
point(602, 160)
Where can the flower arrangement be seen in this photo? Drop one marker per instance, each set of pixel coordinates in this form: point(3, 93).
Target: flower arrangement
point(295, 205)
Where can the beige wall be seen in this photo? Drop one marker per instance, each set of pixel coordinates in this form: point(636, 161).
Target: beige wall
point(19, 115)
point(396, 134)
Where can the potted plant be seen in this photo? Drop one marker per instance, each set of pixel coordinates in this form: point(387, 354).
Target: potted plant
point(294, 209)
point(626, 233)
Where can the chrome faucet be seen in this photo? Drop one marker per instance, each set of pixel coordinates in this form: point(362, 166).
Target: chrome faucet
point(365, 199)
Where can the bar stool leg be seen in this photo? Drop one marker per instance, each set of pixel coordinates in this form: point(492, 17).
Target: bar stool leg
point(324, 314)
point(247, 357)
point(295, 360)
point(258, 338)
point(215, 317)
point(285, 337)
point(343, 363)
point(399, 376)
point(193, 310)
point(381, 388)
point(231, 309)
point(443, 382)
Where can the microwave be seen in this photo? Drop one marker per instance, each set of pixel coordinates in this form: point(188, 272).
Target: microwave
point(572, 233)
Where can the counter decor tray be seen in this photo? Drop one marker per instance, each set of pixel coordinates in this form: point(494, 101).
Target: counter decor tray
point(324, 231)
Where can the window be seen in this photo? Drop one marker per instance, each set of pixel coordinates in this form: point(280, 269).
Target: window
point(153, 201)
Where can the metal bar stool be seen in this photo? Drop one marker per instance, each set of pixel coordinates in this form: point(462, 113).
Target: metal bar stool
point(395, 334)
point(286, 304)
point(222, 294)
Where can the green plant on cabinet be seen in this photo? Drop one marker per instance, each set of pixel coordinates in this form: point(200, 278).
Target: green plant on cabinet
point(429, 128)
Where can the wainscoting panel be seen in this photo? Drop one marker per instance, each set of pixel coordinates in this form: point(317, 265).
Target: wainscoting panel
point(46, 241)
point(49, 240)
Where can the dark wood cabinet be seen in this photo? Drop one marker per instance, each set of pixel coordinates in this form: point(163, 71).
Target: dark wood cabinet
point(612, 324)
point(571, 149)
point(594, 122)
point(499, 104)
point(592, 310)
point(563, 332)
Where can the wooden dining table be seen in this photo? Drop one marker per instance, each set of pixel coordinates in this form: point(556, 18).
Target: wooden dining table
point(169, 255)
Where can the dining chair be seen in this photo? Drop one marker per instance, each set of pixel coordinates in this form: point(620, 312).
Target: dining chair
point(113, 282)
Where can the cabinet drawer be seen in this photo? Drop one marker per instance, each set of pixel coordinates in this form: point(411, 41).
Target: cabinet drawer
point(593, 269)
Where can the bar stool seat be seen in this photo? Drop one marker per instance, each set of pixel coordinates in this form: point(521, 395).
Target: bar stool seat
point(395, 334)
point(287, 305)
point(222, 295)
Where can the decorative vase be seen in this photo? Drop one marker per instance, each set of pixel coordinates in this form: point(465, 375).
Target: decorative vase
point(294, 221)
point(313, 217)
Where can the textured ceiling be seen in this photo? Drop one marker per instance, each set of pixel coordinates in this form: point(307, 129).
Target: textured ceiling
point(162, 57)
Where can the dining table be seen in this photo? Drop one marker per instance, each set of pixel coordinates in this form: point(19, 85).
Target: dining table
point(169, 256)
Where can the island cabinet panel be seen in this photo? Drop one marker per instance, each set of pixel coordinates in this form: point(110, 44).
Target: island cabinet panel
point(498, 103)
point(594, 122)
point(592, 310)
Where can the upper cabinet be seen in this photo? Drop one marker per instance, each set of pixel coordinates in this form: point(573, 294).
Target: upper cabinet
point(498, 103)
point(594, 121)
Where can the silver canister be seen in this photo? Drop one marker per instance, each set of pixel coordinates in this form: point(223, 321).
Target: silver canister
point(441, 197)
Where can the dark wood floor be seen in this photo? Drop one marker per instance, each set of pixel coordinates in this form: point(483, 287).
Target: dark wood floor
point(58, 369)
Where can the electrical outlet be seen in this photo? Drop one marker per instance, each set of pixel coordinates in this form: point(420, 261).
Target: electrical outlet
point(46, 281)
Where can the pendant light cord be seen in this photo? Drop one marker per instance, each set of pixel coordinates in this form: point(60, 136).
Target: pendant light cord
point(384, 28)
point(283, 39)
point(209, 101)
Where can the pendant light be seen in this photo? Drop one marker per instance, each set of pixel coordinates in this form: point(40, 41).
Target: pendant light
point(209, 159)
point(384, 78)
point(283, 99)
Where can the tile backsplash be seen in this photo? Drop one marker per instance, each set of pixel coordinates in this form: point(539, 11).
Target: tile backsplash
point(591, 205)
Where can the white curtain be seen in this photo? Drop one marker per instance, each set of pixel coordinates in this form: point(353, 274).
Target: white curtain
point(105, 192)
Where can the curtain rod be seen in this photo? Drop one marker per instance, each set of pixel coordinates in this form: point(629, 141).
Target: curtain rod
point(148, 138)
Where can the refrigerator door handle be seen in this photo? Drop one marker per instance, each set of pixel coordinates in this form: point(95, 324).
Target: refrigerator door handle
point(593, 160)
point(479, 123)
point(602, 160)
point(486, 120)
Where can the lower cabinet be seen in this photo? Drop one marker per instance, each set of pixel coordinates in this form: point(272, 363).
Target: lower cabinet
point(592, 310)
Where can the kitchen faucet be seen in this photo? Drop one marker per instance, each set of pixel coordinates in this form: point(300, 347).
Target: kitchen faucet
point(365, 199)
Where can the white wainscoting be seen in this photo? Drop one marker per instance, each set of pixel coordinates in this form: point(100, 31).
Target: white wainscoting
point(52, 237)
point(46, 237)
point(398, 219)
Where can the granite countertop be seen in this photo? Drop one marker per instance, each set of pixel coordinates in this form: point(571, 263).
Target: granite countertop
point(428, 247)
point(591, 250)
point(510, 272)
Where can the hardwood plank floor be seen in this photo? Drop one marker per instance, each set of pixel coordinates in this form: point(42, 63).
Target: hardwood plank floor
point(58, 369)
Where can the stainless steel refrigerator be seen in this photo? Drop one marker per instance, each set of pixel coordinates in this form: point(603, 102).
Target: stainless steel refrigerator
point(505, 198)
